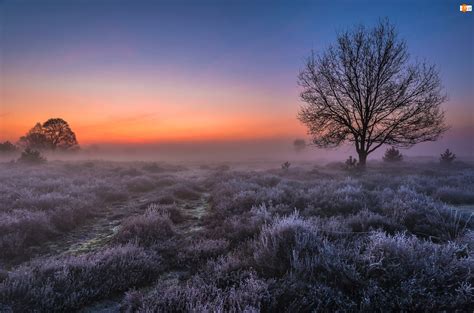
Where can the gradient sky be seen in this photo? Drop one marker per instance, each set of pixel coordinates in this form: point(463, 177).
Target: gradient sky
point(142, 71)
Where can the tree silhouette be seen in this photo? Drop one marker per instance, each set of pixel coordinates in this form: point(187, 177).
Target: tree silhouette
point(31, 156)
point(59, 134)
point(8, 148)
point(363, 90)
point(447, 157)
point(35, 139)
point(392, 155)
point(53, 134)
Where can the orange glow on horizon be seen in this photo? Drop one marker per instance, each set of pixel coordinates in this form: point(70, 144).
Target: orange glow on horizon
point(147, 115)
point(104, 109)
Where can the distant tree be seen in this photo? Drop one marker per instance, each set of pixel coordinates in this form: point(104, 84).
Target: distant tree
point(54, 134)
point(351, 162)
point(447, 157)
point(299, 144)
point(30, 156)
point(8, 148)
point(286, 166)
point(35, 139)
point(392, 155)
point(363, 90)
point(59, 134)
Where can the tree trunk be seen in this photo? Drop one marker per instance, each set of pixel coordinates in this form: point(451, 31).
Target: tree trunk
point(362, 158)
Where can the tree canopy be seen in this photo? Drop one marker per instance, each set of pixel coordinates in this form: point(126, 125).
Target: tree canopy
point(54, 134)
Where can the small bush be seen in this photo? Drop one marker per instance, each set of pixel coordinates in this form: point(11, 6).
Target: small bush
point(366, 221)
point(351, 162)
point(110, 194)
point(146, 229)
point(30, 156)
point(152, 168)
point(447, 157)
point(222, 168)
point(184, 192)
point(240, 228)
point(140, 184)
point(200, 295)
point(21, 229)
point(409, 274)
point(199, 251)
point(274, 246)
point(69, 283)
point(7, 148)
point(455, 195)
point(392, 155)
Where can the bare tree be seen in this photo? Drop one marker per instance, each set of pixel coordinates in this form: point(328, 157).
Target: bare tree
point(363, 90)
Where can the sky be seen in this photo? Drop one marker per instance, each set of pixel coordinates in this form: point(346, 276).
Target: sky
point(137, 72)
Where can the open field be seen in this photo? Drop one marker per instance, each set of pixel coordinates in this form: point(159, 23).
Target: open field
point(98, 236)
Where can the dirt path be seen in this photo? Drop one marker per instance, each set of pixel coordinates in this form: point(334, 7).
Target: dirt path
point(99, 231)
point(94, 233)
point(195, 210)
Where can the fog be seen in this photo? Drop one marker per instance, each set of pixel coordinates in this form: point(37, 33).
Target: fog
point(268, 150)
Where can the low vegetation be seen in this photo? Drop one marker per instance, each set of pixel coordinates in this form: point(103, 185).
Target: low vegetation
point(30, 156)
point(299, 240)
point(447, 157)
point(392, 155)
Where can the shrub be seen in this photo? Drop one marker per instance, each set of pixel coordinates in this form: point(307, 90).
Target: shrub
point(198, 251)
point(222, 167)
point(21, 229)
point(140, 184)
point(408, 274)
point(69, 283)
point(291, 294)
point(199, 295)
point(131, 172)
point(365, 221)
point(30, 156)
point(351, 162)
point(238, 228)
point(152, 168)
point(447, 157)
point(110, 194)
point(166, 200)
point(361, 243)
point(274, 246)
point(175, 214)
point(423, 216)
point(8, 148)
point(165, 182)
point(184, 192)
point(392, 155)
point(146, 229)
point(455, 195)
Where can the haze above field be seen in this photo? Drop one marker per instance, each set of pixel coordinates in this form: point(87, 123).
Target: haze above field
point(212, 76)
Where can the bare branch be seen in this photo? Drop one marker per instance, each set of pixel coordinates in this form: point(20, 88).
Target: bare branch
point(363, 90)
